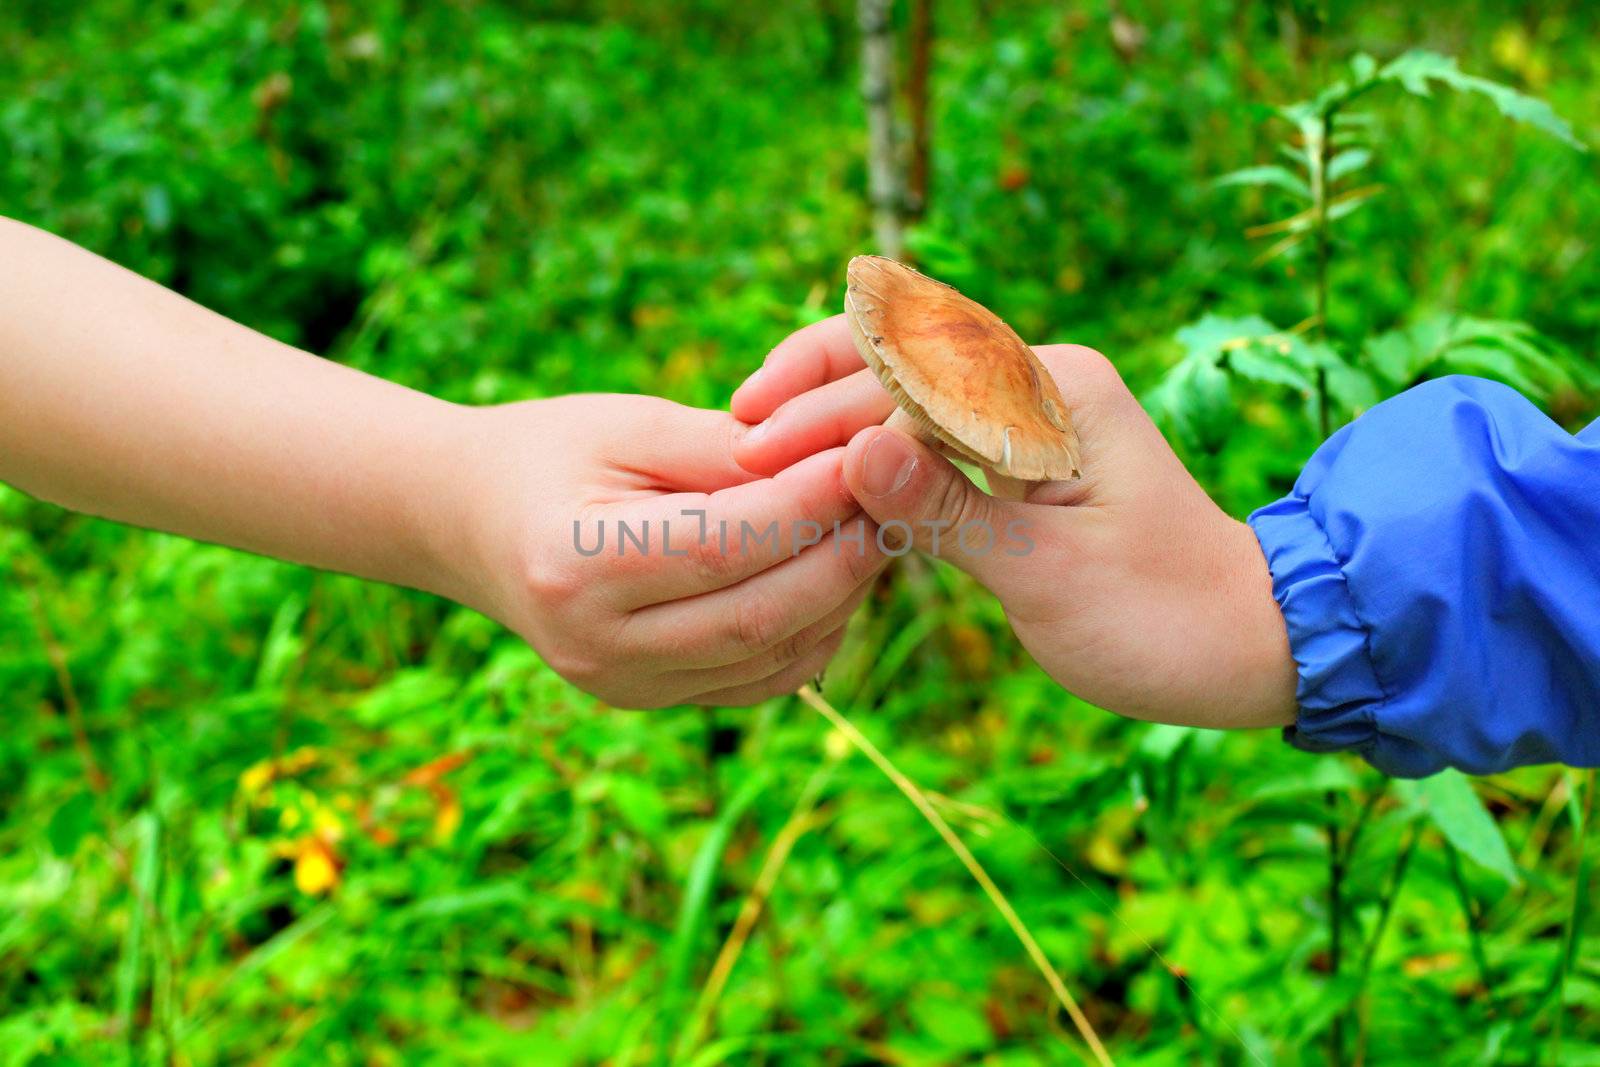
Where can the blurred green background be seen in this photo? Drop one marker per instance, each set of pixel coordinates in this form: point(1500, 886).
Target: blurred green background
point(251, 813)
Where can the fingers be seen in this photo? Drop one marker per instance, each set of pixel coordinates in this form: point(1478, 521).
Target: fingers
point(824, 417)
point(800, 656)
point(671, 447)
point(785, 681)
point(808, 358)
point(662, 549)
point(758, 615)
point(779, 657)
point(915, 494)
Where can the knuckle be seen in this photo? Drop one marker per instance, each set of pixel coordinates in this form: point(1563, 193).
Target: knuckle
point(794, 647)
point(757, 624)
point(819, 509)
point(862, 562)
point(712, 565)
point(958, 501)
point(550, 582)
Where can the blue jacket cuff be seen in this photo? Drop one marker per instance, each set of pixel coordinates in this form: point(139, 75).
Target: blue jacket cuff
point(1338, 689)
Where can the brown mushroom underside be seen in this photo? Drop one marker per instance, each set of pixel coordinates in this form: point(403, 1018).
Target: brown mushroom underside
point(959, 372)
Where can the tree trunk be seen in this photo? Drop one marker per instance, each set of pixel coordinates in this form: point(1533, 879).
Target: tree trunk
point(917, 98)
point(877, 92)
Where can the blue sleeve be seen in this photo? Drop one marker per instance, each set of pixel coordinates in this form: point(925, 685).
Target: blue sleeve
point(1438, 565)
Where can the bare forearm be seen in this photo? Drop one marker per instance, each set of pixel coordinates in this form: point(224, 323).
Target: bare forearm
point(121, 399)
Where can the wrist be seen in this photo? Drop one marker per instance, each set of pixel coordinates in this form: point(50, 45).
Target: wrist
point(488, 520)
point(1265, 669)
point(446, 542)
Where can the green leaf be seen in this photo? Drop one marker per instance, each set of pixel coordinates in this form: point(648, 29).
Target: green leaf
point(283, 644)
point(1211, 335)
point(1198, 401)
point(1161, 741)
point(740, 1049)
point(1348, 162)
point(953, 1024)
point(1313, 1019)
point(1308, 776)
point(1268, 175)
point(71, 823)
point(1451, 804)
point(1497, 348)
point(1415, 70)
point(1347, 203)
point(1195, 395)
point(1486, 361)
point(1266, 363)
point(1296, 156)
point(131, 964)
point(640, 804)
point(1400, 356)
point(1350, 387)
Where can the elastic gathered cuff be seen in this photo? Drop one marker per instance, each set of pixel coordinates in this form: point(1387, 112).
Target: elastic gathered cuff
point(1338, 690)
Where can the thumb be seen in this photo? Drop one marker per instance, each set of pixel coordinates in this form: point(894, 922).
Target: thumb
point(916, 495)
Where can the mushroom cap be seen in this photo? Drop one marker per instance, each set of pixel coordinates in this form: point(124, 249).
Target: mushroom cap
point(961, 373)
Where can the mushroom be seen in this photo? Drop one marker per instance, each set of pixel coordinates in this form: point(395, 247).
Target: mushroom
point(965, 383)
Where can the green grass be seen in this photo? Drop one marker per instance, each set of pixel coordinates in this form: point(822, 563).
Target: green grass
point(494, 201)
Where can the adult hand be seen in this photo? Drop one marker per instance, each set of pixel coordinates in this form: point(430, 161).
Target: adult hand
point(1132, 588)
point(619, 538)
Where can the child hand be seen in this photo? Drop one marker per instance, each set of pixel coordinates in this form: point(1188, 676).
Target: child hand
point(1129, 586)
point(635, 625)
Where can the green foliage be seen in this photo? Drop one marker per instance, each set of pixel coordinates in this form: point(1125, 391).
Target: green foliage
point(1414, 70)
point(1197, 396)
point(1448, 801)
point(338, 823)
point(1330, 145)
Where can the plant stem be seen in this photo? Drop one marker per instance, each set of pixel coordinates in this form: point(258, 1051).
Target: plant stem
point(1336, 868)
point(1319, 192)
point(1391, 893)
point(1574, 934)
point(1368, 806)
point(1319, 155)
point(920, 801)
point(1470, 910)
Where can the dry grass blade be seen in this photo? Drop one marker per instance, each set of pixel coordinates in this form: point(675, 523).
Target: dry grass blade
point(1277, 249)
point(800, 820)
point(921, 802)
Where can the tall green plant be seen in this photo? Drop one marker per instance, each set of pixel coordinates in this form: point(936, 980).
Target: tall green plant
point(1325, 158)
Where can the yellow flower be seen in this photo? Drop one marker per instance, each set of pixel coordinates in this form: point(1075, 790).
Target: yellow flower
point(316, 869)
point(447, 819)
point(267, 771)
